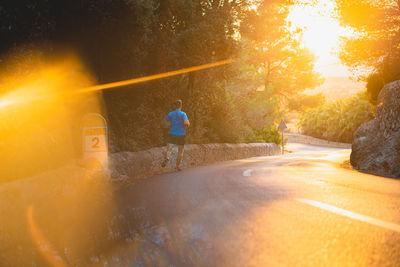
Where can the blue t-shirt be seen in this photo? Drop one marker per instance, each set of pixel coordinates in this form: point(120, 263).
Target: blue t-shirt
point(177, 119)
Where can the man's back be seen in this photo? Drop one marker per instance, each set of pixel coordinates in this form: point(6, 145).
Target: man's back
point(177, 119)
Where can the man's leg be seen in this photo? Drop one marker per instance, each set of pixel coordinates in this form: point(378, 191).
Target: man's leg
point(168, 152)
point(180, 155)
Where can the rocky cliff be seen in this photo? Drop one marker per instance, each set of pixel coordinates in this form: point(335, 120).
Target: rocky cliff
point(376, 145)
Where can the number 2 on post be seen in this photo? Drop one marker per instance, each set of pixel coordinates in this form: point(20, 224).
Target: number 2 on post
point(96, 142)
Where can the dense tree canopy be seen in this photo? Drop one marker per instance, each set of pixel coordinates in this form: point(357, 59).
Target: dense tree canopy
point(285, 66)
point(374, 48)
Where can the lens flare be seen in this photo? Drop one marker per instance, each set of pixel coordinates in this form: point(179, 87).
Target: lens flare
point(53, 76)
point(46, 249)
point(42, 135)
point(5, 103)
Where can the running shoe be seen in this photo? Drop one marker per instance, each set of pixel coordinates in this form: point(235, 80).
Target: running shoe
point(178, 169)
point(164, 163)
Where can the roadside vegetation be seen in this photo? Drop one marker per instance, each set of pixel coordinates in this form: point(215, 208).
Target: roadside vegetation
point(372, 52)
point(337, 120)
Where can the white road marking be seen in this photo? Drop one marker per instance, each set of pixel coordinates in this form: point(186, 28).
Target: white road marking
point(247, 172)
point(353, 215)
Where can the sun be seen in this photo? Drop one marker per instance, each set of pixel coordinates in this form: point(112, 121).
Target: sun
point(322, 33)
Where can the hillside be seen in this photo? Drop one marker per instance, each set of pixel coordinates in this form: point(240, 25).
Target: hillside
point(336, 88)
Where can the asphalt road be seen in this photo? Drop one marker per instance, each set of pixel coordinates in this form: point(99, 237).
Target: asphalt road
point(300, 209)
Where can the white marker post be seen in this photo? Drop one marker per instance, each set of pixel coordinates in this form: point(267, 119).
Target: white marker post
point(95, 138)
point(282, 126)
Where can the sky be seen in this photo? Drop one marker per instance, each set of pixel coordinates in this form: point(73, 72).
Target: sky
point(322, 34)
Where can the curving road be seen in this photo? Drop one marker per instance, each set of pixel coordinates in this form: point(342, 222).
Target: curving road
point(305, 208)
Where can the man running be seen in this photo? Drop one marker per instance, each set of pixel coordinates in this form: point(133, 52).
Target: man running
point(178, 122)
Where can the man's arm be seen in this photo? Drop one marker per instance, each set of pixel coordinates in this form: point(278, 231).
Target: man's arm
point(187, 123)
point(167, 122)
point(186, 120)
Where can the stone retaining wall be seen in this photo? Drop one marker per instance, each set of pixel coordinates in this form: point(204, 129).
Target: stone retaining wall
point(144, 163)
point(304, 139)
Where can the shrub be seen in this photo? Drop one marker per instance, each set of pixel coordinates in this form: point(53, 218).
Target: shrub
point(269, 134)
point(302, 102)
point(337, 121)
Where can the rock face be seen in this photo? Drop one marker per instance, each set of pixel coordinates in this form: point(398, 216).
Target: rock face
point(376, 145)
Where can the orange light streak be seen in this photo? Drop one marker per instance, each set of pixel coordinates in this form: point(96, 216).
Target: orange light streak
point(7, 102)
point(43, 245)
point(153, 77)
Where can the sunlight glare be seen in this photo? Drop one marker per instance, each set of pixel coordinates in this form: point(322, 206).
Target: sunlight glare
point(5, 103)
point(253, 7)
point(39, 134)
point(42, 147)
point(321, 32)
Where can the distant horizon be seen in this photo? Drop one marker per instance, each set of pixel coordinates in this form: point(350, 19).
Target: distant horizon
point(338, 87)
point(333, 68)
point(343, 76)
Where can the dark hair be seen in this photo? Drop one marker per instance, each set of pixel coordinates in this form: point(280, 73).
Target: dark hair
point(178, 104)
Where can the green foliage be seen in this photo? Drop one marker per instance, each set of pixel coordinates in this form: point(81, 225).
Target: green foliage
point(237, 117)
point(268, 134)
point(276, 53)
point(302, 102)
point(337, 121)
point(374, 48)
point(374, 86)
